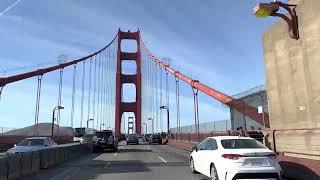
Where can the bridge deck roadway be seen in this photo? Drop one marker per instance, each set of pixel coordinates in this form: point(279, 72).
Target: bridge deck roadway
point(132, 162)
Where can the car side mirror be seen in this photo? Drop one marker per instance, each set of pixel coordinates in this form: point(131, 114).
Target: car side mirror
point(195, 148)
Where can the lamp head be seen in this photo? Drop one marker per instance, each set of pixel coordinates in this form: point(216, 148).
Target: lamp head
point(262, 10)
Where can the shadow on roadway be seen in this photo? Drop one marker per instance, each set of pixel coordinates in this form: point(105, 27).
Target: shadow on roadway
point(294, 170)
point(99, 167)
point(134, 150)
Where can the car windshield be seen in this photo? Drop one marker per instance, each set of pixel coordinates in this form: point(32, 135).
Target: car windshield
point(241, 144)
point(106, 134)
point(31, 142)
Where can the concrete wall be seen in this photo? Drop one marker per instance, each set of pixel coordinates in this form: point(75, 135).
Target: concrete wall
point(293, 70)
point(293, 82)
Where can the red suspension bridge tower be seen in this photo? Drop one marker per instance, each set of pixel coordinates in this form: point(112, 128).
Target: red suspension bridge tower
point(120, 106)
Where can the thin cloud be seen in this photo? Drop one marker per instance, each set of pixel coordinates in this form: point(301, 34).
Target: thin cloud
point(9, 8)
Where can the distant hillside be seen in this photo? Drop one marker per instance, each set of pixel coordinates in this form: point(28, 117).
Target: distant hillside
point(44, 129)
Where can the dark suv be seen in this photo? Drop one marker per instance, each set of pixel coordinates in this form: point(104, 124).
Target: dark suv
point(104, 140)
point(155, 138)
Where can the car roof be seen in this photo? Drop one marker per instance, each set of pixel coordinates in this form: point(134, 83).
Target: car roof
point(229, 137)
point(37, 138)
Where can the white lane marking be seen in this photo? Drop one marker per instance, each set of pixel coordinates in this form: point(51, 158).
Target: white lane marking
point(115, 154)
point(162, 159)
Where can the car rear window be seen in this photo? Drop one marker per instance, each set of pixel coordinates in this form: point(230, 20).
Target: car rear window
point(103, 134)
point(156, 136)
point(132, 136)
point(241, 144)
point(31, 142)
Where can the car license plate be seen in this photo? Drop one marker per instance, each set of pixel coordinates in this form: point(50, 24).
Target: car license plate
point(259, 162)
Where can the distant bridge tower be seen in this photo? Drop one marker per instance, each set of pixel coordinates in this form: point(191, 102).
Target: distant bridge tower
point(135, 79)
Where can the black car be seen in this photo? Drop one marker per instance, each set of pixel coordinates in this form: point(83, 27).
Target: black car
point(147, 137)
point(132, 139)
point(104, 140)
point(122, 137)
point(155, 138)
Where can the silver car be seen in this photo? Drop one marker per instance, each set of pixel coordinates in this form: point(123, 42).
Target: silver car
point(32, 144)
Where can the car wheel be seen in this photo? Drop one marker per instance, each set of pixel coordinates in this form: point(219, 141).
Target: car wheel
point(191, 163)
point(213, 173)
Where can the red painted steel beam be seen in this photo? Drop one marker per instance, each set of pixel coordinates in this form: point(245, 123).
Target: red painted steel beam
point(239, 105)
point(10, 79)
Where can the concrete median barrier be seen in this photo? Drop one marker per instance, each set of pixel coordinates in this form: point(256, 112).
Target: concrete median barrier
point(18, 165)
point(14, 166)
point(35, 162)
point(26, 164)
point(3, 168)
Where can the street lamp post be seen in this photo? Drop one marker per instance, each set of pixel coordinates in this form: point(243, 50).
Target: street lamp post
point(168, 117)
point(152, 124)
point(272, 9)
point(146, 127)
point(53, 114)
point(88, 122)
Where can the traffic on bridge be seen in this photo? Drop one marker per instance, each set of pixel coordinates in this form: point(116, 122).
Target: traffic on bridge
point(146, 104)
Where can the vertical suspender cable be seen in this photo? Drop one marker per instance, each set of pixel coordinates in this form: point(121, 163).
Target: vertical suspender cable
point(59, 99)
point(161, 123)
point(73, 92)
point(105, 89)
point(89, 95)
point(109, 91)
point(153, 96)
point(167, 93)
point(82, 93)
point(94, 92)
point(102, 92)
point(98, 97)
point(36, 116)
point(157, 99)
point(178, 104)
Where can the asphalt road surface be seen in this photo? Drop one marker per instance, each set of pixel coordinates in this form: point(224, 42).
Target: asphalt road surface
point(132, 162)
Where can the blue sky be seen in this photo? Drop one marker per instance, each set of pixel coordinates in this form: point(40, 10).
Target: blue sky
point(217, 42)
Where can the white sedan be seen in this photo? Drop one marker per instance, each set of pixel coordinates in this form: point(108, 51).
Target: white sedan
point(32, 144)
point(234, 157)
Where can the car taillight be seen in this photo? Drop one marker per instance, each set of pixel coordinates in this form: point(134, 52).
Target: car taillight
point(232, 156)
point(272, 156)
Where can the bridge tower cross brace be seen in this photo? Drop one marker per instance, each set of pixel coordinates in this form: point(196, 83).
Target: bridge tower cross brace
point(135, 79)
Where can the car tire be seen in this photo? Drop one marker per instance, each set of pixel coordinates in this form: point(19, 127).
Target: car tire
point(213, 172)
point(191, 164)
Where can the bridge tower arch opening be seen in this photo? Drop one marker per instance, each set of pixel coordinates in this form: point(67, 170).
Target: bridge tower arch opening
point(122, 107)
